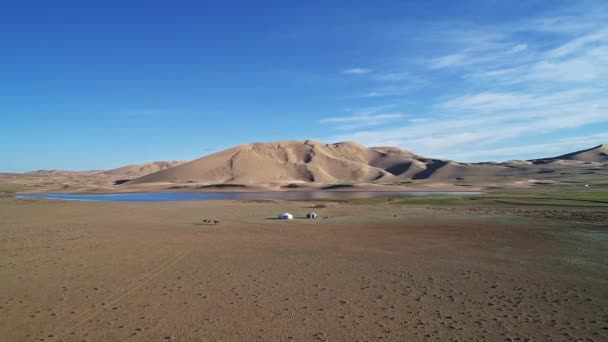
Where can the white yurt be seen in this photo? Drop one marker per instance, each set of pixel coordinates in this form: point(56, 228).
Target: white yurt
point(312, 215)
point(285, 216)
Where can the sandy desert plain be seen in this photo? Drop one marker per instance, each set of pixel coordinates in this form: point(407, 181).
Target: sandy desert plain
point(525, 261)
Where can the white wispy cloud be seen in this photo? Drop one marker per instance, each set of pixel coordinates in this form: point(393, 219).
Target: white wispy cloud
point(361, 120)
point(552, 149)
point(386, 83)
point(519, 48)
point(456, 59)
point(485, 101)
point(476, 121)
point(370, 110)
point(562, 64)
point(494, 102)
point(533, 77)
point(394, 77)
point(394, 84)
point(586, 66)
point(576, 45)
point(374, 118)
point(357, 71)
point(391, 90)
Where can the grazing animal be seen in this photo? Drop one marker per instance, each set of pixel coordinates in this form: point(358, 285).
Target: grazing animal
point(216, 222)
point(312, 215)
point(205, 221)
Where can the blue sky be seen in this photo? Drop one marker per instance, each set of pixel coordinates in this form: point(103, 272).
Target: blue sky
point(97, 85)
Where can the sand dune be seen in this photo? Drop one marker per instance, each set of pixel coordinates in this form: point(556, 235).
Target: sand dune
point(139, 170)
point(294, 162)
point(308, 164)
point(597, 154)
point(443, 170)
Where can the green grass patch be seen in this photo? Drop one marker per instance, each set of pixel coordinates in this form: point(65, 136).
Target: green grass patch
point(9, 189)
point(422, 200)
point(429, 200)
point(523, 197)
point(559, 197)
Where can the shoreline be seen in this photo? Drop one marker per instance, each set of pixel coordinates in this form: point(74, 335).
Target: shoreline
point(249, 195)
point(253, 188)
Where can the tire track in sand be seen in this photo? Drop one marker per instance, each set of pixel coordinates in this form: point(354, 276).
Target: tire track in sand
point(109, 301)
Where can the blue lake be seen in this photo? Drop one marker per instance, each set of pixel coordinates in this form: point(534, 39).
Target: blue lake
point(215, 196)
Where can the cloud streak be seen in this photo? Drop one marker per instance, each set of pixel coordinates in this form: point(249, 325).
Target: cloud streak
point(496, 86)
point(360, 120)
point(357, 71)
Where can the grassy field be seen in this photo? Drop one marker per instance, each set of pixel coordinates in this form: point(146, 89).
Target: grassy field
point(575, 198)
point(9, 189)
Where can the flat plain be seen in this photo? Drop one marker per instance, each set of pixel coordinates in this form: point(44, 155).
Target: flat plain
point(520, 267)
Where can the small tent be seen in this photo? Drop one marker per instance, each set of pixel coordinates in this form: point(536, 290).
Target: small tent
point(285, 216)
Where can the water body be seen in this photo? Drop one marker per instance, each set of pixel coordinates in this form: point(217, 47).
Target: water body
point(216, 196)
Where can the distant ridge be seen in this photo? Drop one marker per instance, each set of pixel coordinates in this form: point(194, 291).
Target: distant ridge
point(598, 154)
point(139, 170)
point(283, 161)
point(310, 161)
point(296, 163)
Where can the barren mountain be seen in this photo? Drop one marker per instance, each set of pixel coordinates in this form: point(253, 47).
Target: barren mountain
point(287, 161)
point(313, 161)
point(314, 164)
point(597, 154)
point(139, 170)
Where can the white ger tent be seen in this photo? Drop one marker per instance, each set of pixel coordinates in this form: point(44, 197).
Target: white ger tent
point(285, 216)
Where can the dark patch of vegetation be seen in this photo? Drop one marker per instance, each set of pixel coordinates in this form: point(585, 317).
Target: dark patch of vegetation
point(258, 201)
point(221, 186)
point(8, 189)
point(566, 198)
point(337, 186)
point(542, 161)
